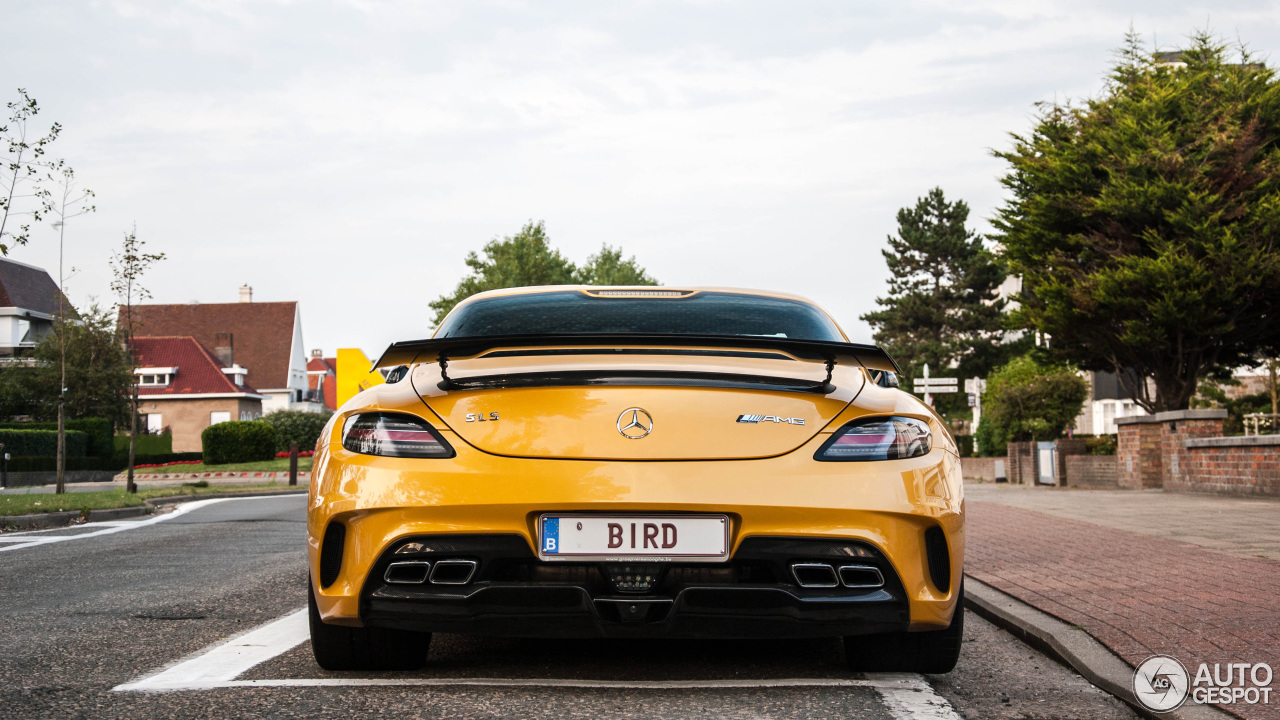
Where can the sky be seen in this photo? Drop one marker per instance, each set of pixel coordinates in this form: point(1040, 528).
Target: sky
point(348, 154)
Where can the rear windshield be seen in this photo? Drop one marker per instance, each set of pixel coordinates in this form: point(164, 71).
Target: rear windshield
point(706, 313)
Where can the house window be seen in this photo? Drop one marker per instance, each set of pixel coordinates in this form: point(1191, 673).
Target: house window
point(155, 423)
point(219, 417)
point(153, 380)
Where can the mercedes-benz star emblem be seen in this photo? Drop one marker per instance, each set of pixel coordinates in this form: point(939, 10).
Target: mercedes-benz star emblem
point(634, 423)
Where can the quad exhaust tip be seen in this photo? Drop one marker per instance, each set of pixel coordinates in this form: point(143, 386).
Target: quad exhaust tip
point(441, 572)
point(407, 572)
point(823, 575)
point(453, 572)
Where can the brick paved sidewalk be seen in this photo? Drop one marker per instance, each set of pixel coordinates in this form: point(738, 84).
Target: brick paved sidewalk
point(1137, 594)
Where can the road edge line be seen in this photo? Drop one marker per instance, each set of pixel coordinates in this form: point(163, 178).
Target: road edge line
point(1072, 646)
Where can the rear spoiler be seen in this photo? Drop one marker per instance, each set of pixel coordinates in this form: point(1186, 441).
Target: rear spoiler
point(440, 350)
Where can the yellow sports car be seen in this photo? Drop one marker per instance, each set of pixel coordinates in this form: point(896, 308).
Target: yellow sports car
point(636, 462)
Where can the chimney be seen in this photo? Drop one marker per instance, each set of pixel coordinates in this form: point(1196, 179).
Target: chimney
point(223, 349)
point(246, 294)
point(317, 353)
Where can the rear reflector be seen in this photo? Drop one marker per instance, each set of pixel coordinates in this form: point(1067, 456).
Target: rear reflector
point(878, 438)
point(394, 435)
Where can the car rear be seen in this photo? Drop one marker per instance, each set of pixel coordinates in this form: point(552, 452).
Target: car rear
point(641, 484)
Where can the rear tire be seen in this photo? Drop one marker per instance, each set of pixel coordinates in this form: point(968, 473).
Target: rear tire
point(934, 652)
point(337, 647)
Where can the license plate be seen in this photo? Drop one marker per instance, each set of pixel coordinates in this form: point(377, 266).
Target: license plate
point(688, 538)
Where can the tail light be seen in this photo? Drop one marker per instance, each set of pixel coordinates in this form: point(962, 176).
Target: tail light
point(878, 438)
point(393, 435)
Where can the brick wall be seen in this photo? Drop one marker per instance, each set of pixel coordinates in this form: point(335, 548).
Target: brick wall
point(1229, 466)
point(974, 468)
point(1021, 465)
point(1175, 429)
point(1099, 471)
point(1138, 453)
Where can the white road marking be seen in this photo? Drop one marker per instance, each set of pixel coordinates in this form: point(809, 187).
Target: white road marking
point(34, 537)
point(906, 696)
point(227, 660)
point(573, 684)
point(915, 699)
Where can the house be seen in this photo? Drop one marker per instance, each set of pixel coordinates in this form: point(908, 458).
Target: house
point(184, 387)
point(322, 378)
point(1107, 402)
point(28, 306)
point(264, 338)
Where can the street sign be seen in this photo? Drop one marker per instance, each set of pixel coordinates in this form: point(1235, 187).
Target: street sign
point(975, 386)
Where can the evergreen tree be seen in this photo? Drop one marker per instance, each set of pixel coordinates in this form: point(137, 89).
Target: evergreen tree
point(942, 307)
point(1144, 222)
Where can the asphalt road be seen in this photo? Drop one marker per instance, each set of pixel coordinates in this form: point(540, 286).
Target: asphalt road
point(107, 607)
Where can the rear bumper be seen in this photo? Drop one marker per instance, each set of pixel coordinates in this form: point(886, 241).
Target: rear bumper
point(752, 596)
point(889, 506)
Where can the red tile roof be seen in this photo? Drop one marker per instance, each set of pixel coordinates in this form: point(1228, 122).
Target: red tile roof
point(199, 372)
point(328, 382)
point(262, 333)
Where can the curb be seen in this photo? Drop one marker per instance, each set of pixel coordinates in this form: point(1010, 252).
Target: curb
point(174, 499)
point(1073, 647)
point(39, 521)
point(42, 521)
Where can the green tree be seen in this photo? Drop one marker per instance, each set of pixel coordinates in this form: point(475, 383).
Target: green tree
point(942, 308)
point(98, 371)
point(527, 258)
point(1030, 400)
point(23, 171)
point(1144, 222)
point(608, 268)
point(128, 265)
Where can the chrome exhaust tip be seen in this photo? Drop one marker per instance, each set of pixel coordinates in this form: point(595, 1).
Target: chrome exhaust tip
point(814, 575)
point(861, 577)
point(453, 572)
point(407, 572)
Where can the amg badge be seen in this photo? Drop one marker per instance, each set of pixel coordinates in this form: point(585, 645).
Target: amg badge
point(770, 418)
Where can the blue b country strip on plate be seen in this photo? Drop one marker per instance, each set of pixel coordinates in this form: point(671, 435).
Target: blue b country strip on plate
point(688, 538)
point(550, 535)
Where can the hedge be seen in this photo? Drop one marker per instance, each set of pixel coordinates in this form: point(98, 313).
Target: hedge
point(49, 464)
point(238, 441)
point(296, 426)
point(42, 442)
point(146, 445)
point(98, 433)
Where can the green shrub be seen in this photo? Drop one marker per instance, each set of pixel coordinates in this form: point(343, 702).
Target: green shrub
point(238, 441)
point(987, 444)
point(1030, 400)
point(295, 426)
point(97, 433)
point(1101, 445)
point(146, 445)
point(42, 442)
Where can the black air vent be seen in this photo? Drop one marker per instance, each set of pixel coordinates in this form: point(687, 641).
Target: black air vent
point(935, 550)
point(331, 553)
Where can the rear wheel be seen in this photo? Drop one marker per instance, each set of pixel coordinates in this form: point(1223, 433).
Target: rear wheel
point(922, 652)
point(337, 647)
